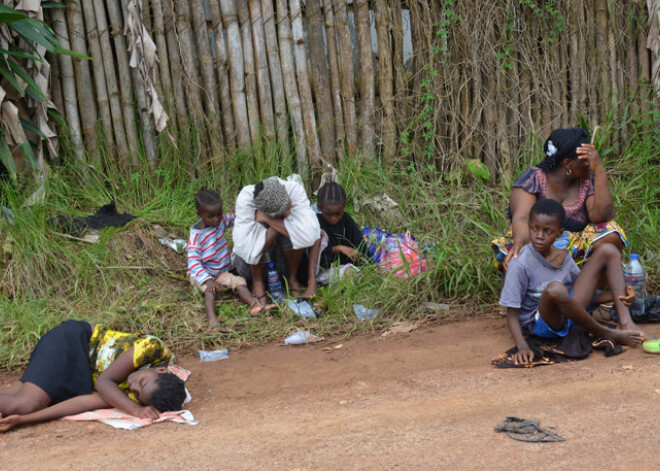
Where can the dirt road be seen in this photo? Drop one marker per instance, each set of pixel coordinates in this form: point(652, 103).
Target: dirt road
point(424, 401)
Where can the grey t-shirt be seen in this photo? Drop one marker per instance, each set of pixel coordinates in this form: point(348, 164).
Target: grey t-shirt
point(526, 279)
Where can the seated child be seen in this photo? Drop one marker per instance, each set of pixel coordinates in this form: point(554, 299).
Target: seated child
point(209, 257)
point(545, 292)
point(78, 367)
point(344, 235)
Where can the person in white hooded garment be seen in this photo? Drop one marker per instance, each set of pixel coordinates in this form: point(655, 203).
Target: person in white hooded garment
point(275, 223)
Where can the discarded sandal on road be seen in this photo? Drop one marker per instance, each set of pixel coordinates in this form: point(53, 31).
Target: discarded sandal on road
point(527, 430)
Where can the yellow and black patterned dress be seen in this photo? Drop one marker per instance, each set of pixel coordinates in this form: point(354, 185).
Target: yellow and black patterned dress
point(106, 345)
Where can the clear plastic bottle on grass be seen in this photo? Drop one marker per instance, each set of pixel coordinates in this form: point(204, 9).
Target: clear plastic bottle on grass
point(274, 284)
point(634, 273)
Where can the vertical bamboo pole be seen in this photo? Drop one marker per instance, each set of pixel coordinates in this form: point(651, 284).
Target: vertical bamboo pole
point(121, 137)
point(263, 76)
point(205, 60)
point(335, 80)
point(147, 126)
point(88, 113)
point(99, 76)
point(400, 86)
point(68, 88)
point(174, 59)
point(236, 73)
point(276, 79)
point(187, 54)
point(309, 120)
point(367, 79)
point(252, 96)
point(125, 85)
point(632, 62)
point(222, 65)
point(385, 80)
point(285, 37)
point(347, 75)
point(320, 79)
point(602, 58)
point(163, 59)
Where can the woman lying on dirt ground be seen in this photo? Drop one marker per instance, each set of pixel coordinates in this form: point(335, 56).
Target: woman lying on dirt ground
point(78, 367)
point(573, 174)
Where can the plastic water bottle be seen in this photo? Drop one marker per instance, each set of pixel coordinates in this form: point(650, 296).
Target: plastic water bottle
point(274, 285)
point(634, 273)
point(213, 355)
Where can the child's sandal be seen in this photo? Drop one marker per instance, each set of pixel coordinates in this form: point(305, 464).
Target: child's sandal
point(257, 311)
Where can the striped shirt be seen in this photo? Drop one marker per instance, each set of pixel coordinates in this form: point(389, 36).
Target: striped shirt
point(208, 253)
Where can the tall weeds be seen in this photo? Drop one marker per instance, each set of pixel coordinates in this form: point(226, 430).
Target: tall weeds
point(129, 281)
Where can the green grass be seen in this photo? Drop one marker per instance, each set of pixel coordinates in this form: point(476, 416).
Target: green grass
point(131, 282)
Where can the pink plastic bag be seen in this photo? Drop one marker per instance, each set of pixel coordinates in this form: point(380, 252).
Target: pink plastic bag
point(402, 256)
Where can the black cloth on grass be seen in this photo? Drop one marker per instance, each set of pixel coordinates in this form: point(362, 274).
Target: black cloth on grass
point(107, 215)
point(59, 363)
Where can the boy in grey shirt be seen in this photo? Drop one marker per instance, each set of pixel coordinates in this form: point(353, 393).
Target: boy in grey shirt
point(545, 292)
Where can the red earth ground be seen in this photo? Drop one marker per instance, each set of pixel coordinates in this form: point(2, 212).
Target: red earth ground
point(427, 400)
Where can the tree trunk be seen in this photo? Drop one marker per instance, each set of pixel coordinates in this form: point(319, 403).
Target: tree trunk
point(250, 78)
point(285, 37)
point(236, 73)
point(385, 81)
point(347, 76)
point(124, 73)
point(68, 89)
point(222, 64)
point(367, 86)
point(276, 80)
point(263, 76)
point(309, 120)
point(111, 83)
point(320, 79)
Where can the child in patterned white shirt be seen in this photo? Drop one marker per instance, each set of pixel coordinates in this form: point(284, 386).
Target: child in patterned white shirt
point(209, 256)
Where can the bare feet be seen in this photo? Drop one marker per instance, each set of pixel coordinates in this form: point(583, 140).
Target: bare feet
point(630, 338)
point(295, 288)
point(632, 326)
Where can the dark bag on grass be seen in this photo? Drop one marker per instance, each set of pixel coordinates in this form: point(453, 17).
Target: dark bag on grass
point(651, 311)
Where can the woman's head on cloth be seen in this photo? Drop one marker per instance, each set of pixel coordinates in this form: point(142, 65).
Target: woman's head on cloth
point(561, 145)
point(271, 197)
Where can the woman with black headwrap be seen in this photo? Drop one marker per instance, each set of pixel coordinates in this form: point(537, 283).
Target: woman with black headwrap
point(573, 174)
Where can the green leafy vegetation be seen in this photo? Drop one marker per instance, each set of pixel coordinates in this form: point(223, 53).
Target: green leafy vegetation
point(129, 281)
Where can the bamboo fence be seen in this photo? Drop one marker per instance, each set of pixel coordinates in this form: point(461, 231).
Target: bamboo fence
point(401, 80)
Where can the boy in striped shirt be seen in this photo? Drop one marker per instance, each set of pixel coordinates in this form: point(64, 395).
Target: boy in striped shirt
point(209, 256)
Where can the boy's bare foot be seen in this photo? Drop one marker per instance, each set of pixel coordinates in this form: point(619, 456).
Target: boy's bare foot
point(632, 326)
point(295, 288)
point(630, 338)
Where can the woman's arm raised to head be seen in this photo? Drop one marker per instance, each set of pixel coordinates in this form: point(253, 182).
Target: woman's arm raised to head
point(521, 203)
point(600, 206)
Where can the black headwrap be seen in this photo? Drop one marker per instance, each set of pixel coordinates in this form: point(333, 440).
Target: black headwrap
point(562, 144)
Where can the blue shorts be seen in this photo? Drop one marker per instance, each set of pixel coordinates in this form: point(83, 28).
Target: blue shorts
point(542, 329)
